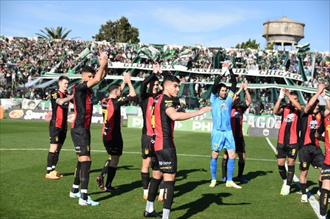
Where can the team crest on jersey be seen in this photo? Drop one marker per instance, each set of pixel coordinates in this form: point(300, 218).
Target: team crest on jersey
point(313, 124)
point(54, 95)
point(290, 118)
point(169, 103)
point(304, 165)
point(223, 106)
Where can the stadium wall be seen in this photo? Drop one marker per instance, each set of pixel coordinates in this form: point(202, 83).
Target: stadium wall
point(26, 109)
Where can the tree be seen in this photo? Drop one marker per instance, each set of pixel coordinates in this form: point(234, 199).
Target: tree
point(252, 44)
point(53, 33)
point(119, 31)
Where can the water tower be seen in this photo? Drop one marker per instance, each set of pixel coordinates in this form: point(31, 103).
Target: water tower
point(283, 32)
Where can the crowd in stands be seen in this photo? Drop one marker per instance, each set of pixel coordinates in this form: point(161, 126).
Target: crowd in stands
point(22, 60)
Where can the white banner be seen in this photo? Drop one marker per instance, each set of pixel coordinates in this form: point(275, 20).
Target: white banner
point(250, 72)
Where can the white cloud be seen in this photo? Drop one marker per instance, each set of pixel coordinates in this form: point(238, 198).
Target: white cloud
point(191, 21)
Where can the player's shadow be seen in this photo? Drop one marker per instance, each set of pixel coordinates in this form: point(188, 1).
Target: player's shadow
point(295, 187)
point(203, 203)
point(188, 187)
point(252, 175)
point(125, 167)
point(118, 190)
point(183, 174)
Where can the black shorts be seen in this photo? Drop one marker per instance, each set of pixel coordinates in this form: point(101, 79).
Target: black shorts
point(113, 146)
point(167, 160)
point(284, 151)
point(81, 138)
point(57, 135)
point(239, 144)
point(325, 172)
point(147, 146)
point(310, 154)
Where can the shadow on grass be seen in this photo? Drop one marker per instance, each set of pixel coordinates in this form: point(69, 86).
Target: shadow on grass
point(125, 167)
point(183, 174)
point(188, 187)
point(295, 187)
point(203, 203)
point(118, 190)
point(252, 175)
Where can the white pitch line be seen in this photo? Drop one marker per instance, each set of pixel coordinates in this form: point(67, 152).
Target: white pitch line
point(125, 152)
point(312, 200)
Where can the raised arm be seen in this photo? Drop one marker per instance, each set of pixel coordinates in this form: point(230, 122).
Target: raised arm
point(215, 84)
point(145, 82)
point(127, 80)
point(293, 101)
point(312, 101)
point(248, 99)
point(101, 72)
point(232, 80)
point(277, 108)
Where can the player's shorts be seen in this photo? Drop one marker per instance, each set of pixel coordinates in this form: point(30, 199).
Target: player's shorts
point(222, 139)
point(114, 146)
point(147, 146)
point(239, 144)
point(81, 138)
point(325, 172)
point(310, 154)
point(56, 135)
point(284, 151)
point(167, 160)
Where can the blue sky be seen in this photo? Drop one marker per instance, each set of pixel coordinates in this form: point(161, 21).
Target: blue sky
point(209, 23)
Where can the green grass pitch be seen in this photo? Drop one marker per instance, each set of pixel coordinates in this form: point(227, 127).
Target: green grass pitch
point(24, 193)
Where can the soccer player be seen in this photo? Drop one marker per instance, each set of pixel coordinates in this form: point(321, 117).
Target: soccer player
point(58, 125)
point(80, 131)
point(325, 173)
point(222, 135)
point(111, 130)
point(310, 151)
point(287, 144)
point(147, 103)
point(237, 126)
point(165, 115)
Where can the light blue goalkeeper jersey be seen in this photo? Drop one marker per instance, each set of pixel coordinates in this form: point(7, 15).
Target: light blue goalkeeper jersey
point(221, 111)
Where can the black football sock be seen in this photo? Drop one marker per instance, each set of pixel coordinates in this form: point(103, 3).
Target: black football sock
point(303, 187)
point(290, 175)
point(153, 187)
point(241, 165)
point(282, 171)
point(145, 180)
point(324, 201)
point(50, 161)
point(105, 168)
point(84, 178)
point(224, 167)
point(76, 181)
point(111, 175)
point(168, 194)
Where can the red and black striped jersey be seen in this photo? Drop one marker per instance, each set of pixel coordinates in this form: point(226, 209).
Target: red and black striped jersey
point(59, 112)
point(288, 133)
point(164, 125)
point(148, 112)
point(83, 106)
point(237, 119)
point(111, 110)
point(309, 123)
point(326, 128)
